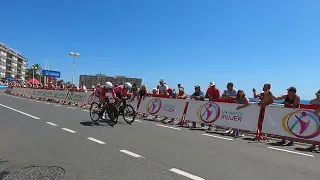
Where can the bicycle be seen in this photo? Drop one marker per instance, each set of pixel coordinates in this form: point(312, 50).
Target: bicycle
point(110, 110)
point(124, 110)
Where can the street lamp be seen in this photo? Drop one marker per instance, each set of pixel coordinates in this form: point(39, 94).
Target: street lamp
point(33, 69)
point(75, 55)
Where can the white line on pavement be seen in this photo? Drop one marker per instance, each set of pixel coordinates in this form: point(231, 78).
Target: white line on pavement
point(96, 140)
point(130, 153)
point(69, 130)
point(137, 120)
point(52, 124)
point(288, 151)
point(85, 110)
point(168, 127)
point(71, 107)
point(57, 104)
point(29, 115)
point(47, 103)
point(219, 137)
point(185, 174)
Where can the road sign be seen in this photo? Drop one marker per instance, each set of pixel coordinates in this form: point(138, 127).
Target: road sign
point(50, 73)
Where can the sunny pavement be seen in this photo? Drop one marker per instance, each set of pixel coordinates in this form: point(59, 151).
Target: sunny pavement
point(143, 150)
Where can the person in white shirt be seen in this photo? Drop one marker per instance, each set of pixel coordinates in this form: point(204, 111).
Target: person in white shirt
point(163, 87)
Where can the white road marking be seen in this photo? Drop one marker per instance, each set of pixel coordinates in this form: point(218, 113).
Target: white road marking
point(29, 115)
point(71, 107)
point(52, 124)
point(137, 120)
point(96, 140)
point(168, 127)
point(47, 103)
point(57, 104)
point(130, 153)
point(293, 152)
point(85, 110)
point(219, 137)
point(185, 174)
point(69, 130)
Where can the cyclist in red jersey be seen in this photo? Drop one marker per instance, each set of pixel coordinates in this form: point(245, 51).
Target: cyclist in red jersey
point(106, 89)
point(122, 92)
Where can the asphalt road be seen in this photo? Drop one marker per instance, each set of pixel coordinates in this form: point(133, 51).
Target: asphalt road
point(36, 133)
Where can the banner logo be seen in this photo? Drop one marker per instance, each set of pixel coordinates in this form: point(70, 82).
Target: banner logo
point(154, 106)
point(303, 124)
point(209, 112)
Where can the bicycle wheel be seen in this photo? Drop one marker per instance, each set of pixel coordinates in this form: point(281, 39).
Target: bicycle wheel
point(112, 113)
point(129, 114)
point(94, 112)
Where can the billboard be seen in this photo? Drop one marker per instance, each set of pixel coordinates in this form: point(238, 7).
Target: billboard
point(50, 73)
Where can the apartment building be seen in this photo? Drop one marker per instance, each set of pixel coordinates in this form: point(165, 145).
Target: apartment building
point(92, 80)
point(12, 63)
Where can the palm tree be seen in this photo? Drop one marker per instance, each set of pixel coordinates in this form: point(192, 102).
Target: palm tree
point(37, 69)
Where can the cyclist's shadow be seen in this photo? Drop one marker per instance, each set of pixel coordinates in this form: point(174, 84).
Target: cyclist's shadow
point(91, 123)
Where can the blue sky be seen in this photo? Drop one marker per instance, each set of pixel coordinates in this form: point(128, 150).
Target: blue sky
point(182, 41)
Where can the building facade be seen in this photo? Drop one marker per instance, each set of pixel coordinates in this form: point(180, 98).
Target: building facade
point(12, 63)
point(92, 80)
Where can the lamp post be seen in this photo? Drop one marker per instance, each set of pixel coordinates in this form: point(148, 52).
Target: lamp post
point(33, 69)
point(75, 55)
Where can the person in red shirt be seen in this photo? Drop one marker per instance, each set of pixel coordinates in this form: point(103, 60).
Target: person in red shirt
point(122, 92)
point(212, 91)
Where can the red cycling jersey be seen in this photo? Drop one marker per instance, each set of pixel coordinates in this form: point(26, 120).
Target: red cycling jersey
point(103, 91)
point(121, 91)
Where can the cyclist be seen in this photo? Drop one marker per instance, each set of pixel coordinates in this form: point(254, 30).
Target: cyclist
point(107, 88)
point(122, 91)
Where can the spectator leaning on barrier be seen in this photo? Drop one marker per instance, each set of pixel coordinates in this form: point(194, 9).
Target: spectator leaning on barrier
point(230, 92)
point(266, 97)
point(241, 98)
point(315, 101)
point(181, 94)
point(197, 95)
point(212, 91)
point(163, 87)
point(291, 100)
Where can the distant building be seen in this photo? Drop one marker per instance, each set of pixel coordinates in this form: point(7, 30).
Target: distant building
point(92, 80)
point(12, 63)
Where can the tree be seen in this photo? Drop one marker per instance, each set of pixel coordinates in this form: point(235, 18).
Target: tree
point(37, 72)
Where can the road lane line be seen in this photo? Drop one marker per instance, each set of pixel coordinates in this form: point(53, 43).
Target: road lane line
point(219, 137)
point(52, 124)
point(293, 152)
point(47, 103)
point(96, 140)
point(71, 107)
point(185, 174)
point(85, 110)
point(57, 104)
point(130, 153)
point(168, 127)
point(69, 130)
point(137, 120)
point(29, 115)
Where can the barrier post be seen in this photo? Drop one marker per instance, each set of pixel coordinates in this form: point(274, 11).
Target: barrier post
point(259, 135)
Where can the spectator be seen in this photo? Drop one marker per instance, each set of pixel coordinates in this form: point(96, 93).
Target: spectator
point(230, 92)
point(163, 87)
point(181, 94)
point(212, 91)
point(266, 97)
point(171, 93)
point(197, 95)
point(317, 102)
point(291, 100)
point(241, 98)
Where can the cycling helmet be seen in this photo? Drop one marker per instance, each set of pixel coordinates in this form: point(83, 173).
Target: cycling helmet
point(128, 85)
point(109, 85)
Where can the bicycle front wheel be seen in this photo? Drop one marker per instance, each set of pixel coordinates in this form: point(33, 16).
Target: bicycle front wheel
point(129, 114)
point(94, 112)
point(112, 113)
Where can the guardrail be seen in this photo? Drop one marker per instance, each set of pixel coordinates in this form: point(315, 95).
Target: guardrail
point(300, 124)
